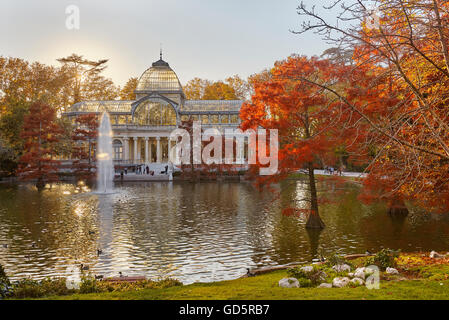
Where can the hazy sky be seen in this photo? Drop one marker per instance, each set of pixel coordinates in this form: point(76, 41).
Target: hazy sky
point(200, 38)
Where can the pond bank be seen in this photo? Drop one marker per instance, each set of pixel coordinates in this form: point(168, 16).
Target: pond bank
point(421, 278)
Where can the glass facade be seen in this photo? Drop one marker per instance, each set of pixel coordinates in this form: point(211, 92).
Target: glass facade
point(156, 112)
point(118, 149)
point(164, 105)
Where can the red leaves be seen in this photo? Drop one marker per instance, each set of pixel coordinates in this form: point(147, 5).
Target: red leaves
point(85, 138)
point(40, 133)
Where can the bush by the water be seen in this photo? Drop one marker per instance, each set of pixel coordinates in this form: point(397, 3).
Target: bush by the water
point(28, 288)
point(91, 285)
point(337, 259)
point(5, 284)
point(386, 258)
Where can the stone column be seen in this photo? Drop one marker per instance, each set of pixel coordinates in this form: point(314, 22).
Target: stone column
point(146, 151)
point(126, 149)
point(240, 145)
point(135, 149)
point(158, 150)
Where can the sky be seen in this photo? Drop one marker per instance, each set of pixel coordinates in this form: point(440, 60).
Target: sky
point(210, 39)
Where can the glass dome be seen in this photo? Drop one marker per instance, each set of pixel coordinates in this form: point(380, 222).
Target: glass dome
point(160, 77)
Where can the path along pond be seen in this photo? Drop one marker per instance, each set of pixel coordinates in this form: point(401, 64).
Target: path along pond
point(193, 232)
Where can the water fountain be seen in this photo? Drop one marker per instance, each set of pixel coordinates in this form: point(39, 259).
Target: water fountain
point(105, 165)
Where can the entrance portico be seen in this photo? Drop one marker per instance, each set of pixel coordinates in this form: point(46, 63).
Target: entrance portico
point(144, 149)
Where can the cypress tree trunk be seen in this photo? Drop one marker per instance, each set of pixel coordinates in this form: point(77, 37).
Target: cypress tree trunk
point(314, 221)
point(397, 207)
point(40, 184)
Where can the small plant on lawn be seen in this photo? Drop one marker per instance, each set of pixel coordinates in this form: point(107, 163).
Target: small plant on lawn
point(386, 258)
point(337, 259)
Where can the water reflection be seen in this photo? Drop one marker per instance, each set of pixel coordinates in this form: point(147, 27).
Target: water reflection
point(194, 232)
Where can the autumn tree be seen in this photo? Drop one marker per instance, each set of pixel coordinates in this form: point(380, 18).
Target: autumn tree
point(86, 81)
point(83, 150)
point(127, 92)
point(233, 88)
point(306, 120)
point(399, 90)
point(194, 89)
point(40, 134)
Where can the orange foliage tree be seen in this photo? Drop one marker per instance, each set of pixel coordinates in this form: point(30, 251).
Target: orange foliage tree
point(399, 88)
point(85, 139)
point(40, 133)
point(306, 120)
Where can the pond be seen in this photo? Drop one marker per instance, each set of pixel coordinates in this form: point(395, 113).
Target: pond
point(199, 232)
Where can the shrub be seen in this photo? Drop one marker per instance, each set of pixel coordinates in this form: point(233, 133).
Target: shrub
point(28, 288)
point(308, 279)
point(337, 259)
point(296, 273)
point(386, 258)
point(5, 284)
point(90, 285)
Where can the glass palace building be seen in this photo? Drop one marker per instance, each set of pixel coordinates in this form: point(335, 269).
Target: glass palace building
point(141, 127)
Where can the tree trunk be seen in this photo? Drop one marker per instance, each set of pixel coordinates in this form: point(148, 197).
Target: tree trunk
point(40, 184)
point(397, 207)
point(314, 221)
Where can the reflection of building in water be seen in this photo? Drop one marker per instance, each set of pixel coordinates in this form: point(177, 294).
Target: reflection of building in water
point(142, 127)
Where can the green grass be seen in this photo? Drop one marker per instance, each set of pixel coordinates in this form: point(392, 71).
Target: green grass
point(265, 287)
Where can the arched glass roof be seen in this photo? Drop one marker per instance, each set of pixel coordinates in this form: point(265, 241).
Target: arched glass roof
point(212, 105)
point(160, 77)
point(101, 106)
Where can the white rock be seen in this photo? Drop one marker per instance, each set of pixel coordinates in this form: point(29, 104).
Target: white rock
point(351, 274)
point(325, 285)
point(360, 273)
point(341, 268)
point(392, 271)
point(307, 269)
point(340, 282)
point(435, 255)
point(289, 283)
point(358, 281)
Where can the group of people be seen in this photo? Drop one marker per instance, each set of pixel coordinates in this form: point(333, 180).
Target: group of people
point(143, 169)
point(332, 170)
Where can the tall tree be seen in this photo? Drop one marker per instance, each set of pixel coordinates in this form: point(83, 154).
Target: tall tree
point(194, 89)
point(219, 91)
point(306, 120)
point(233, 88)
point(82, 70)
point(83, 151)
point(398, 88)
point(40, 133)
point(127, 92)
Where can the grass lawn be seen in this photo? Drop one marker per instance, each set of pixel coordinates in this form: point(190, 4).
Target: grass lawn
point(265, 287)
point(420, 278)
